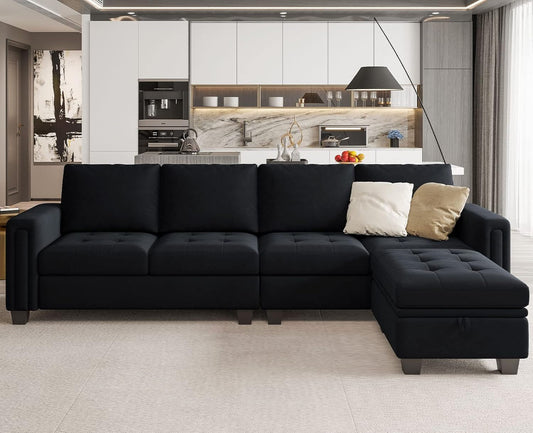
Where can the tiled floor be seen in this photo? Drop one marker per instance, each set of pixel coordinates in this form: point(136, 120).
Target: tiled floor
point(198, 371)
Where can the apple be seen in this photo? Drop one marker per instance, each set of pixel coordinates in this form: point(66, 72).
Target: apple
point(346, 154)
point(352, 159)
point(344, 158)
point(338, 158)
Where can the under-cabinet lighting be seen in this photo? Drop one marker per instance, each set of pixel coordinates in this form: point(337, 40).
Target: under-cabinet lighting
point(347, 128)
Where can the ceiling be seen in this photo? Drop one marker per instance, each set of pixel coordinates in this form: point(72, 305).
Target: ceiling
point(293, 6)
point(40, 16)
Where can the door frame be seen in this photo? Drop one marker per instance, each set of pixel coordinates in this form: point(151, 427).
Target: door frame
point(27, 117)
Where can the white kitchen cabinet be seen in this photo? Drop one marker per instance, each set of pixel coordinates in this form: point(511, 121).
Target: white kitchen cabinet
point(113, 157)
point(399, 156)
point(259, 53)
point(113, 90)
point(214, 53)
point(406, 40)
point(305, 53)
point(257, 156)
point(350, 48)
point(164, 50)
point(313, 156)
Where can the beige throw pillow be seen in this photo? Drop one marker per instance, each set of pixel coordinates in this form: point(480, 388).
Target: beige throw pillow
point(378, 208)
point(435, 209)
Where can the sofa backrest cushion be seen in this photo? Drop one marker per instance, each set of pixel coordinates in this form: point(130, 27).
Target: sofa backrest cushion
point(208, 198)
point(304, 197)
point(102, 198)
point(417, 174)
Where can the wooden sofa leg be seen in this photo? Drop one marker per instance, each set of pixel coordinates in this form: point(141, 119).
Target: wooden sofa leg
point(20, 317)
point(274, 317)
point(508, 366)
point(245, 317)
point(411, 366)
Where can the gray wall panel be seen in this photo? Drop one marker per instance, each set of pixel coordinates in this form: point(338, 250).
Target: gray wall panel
point(448, 93)
point(447, 45)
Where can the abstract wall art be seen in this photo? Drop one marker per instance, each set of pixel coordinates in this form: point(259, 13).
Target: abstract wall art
point(57, 106)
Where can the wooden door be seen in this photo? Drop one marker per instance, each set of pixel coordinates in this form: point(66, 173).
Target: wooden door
point(17, 152)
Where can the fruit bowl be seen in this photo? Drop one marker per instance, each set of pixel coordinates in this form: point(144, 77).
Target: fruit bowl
point(349, 157)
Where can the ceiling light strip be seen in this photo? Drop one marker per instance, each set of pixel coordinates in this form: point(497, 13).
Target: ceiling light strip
point(284, 8)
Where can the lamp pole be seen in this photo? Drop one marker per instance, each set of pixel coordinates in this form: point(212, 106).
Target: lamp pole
point(414, 88)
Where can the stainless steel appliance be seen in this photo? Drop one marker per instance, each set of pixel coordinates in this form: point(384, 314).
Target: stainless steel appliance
point(163, 104)
point(160, 140)
point(189, 143)
point(342, 135)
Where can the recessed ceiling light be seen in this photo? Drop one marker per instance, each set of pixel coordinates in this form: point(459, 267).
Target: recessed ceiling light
point(435, 13)
point(131, 13)
point(283, 14)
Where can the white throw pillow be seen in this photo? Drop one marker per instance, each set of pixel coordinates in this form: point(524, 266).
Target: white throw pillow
point(379, 208)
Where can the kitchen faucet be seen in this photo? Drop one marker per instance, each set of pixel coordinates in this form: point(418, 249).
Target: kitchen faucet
point(247, 136)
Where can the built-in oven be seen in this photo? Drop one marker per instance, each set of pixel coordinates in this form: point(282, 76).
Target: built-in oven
point(160, 140)
point(342, 135)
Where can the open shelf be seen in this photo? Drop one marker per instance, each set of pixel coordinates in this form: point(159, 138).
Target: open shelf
point(257, 96)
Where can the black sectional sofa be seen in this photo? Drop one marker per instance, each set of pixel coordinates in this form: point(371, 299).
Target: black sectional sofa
point(244, 237)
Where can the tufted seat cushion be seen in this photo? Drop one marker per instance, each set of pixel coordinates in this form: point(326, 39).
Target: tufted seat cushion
point(104, 253)
point(445, 278)
point(377, 243)
point(302, 253)
point(205, 253)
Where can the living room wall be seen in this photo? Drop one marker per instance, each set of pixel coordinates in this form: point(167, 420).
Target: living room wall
point(46, 178)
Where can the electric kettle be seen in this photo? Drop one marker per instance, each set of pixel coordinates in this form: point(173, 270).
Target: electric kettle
point(188, 143)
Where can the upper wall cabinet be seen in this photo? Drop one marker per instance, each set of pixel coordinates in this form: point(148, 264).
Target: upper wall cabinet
point(445, 47)
point(259, 53)
point(113, 86)
point(350, 47)
point(164, 50)
point(406, 39)
point(305, 53)
point(214, 53)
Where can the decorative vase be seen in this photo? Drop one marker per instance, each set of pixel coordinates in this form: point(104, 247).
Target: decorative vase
point(295, 156)
point(394, 142)
point(279, 157)
point(285, 155)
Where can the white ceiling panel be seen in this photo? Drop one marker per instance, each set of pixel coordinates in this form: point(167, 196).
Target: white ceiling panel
point(39, 15)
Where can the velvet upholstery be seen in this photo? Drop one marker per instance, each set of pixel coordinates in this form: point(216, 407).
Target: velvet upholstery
point(104, 253)
point(149, 292)
point(443, 278)
point(417, 174)
point(485, 336)
point(27, 235)
point(208, 198)
point(197, 253)
point(377, 243)
point(110, 198)
point(308, 253)
point(303, 198)
point(292, 292)
point(486, 232)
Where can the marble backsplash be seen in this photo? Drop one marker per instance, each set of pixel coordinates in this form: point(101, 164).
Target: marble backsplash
point(224, 127)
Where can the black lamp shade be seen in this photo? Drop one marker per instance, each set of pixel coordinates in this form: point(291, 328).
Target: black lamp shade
point(312, 98)
point(374, 78)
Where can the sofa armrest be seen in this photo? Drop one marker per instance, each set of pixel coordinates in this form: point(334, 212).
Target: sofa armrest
point(27, 235)
point(486, 232)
